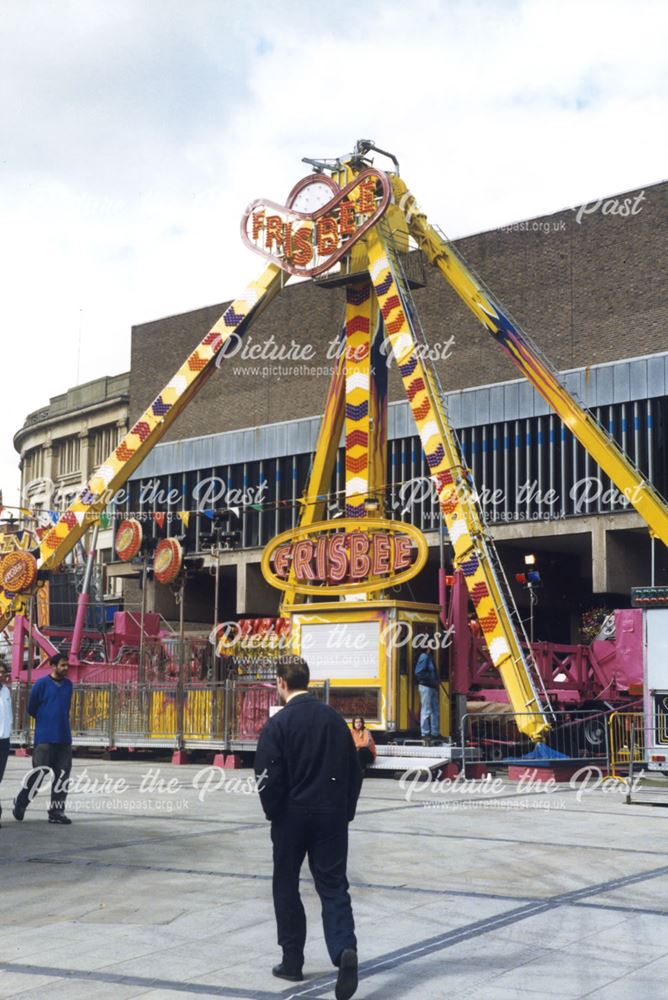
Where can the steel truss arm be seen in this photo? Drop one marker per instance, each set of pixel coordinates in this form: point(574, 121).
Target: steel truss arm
point(525, 355)
point(149, 429)
point(473, 552)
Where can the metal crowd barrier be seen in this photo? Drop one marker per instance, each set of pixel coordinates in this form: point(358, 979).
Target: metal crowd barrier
point(226, 716)
point(496, 741)
point(627, 742)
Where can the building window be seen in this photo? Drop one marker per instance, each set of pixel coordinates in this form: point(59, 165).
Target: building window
point(104, 441)
point(68, 456)
point(33, 465)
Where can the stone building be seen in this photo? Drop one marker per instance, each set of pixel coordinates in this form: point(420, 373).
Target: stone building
point(62, 443)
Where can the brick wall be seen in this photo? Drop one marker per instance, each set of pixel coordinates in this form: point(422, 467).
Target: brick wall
point(586, 293)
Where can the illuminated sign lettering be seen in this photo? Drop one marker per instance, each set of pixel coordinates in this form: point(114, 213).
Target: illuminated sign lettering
point(345, 556)
point(308, 243)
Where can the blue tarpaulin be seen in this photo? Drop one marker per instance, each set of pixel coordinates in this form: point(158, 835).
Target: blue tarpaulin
point(540, 752)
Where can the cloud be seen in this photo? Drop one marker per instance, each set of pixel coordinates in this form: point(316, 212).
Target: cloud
point(133, 134)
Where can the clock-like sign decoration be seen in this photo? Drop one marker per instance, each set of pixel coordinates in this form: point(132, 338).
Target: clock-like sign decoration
point(320, 222)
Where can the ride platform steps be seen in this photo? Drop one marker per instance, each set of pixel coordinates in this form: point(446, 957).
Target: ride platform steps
point(415, 754)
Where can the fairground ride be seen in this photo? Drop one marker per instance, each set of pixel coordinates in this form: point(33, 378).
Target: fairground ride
point(351, 223)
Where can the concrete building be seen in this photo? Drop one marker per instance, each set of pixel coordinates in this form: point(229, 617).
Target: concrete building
point(589, 287)
point(62, 443)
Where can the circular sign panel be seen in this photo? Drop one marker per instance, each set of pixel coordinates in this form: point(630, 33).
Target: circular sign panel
point(18, 572)
point(168, 560)
point(128, 539)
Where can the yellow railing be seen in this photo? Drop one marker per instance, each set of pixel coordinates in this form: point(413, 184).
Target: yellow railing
point(627, 741)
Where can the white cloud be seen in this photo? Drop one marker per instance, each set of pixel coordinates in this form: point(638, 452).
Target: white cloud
point(133, 134)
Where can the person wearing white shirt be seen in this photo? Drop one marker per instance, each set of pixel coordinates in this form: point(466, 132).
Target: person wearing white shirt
point(5, 719)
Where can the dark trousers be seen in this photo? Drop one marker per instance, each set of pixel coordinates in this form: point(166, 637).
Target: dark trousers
point(323, 836)
point(45, 756)
point(365, 757)
point(4, 754)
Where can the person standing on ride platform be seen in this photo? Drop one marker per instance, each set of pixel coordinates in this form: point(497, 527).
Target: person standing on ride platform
point(309, 781)
point(49, 705)
point(426, 675)
point(5, 720)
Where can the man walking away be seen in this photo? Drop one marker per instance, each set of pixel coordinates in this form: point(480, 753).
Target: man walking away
point(49, 705)
point(5, 720)
point(309, 781)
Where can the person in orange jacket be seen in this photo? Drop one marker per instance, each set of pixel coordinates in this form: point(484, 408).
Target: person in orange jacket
point(364, 744)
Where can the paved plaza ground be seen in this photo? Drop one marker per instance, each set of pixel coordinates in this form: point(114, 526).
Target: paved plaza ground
point(161, 891)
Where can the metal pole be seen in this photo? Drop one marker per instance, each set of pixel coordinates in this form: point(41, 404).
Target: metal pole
point(653, 559)
point(82, 603)
point(142, 615)
point(215, 611)
point(226, 713)
point(31, 616)
point(631, 755)
point(463, 723)
point(608, 756)
point(181, 603)
point(531, 604)
point(180, 688)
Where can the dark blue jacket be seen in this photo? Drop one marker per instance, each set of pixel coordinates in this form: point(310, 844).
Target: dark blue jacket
point(425, 670)
point(49, 706)
point(310, 759)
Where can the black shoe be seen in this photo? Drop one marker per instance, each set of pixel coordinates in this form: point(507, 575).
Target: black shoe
point(284, 971)
point(17, 812)
point(60, 818)
point(346, 982)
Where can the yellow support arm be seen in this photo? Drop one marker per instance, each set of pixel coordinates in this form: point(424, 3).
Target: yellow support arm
point(148, 430)
point(327, 445)
point(473, 551)
point(603, 449)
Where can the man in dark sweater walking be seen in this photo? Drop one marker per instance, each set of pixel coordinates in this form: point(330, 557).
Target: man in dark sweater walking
point(309, 780)
point(49, 705)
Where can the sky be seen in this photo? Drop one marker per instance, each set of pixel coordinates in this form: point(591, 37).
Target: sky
point(133, 133)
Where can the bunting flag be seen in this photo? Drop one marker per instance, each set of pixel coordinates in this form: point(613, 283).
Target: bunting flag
point(105, 521)
point(159, 517)
point(184, 516)
point(209, 513)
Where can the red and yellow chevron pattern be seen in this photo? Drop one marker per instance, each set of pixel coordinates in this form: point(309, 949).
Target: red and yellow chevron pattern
point(358, 376)
point(153, 423)
point(465, 528)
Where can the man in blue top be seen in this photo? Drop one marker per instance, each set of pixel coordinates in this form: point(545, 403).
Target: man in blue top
point(49, 705)
point(426, 675)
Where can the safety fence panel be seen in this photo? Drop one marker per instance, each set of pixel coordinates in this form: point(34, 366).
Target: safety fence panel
point(250, 703)
point(496, 740)
point(227, 715)
point(628, 742)
point(90, 714)
point(204, 715)
point(20, 717)
point(249, 707)
point(145, 715)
